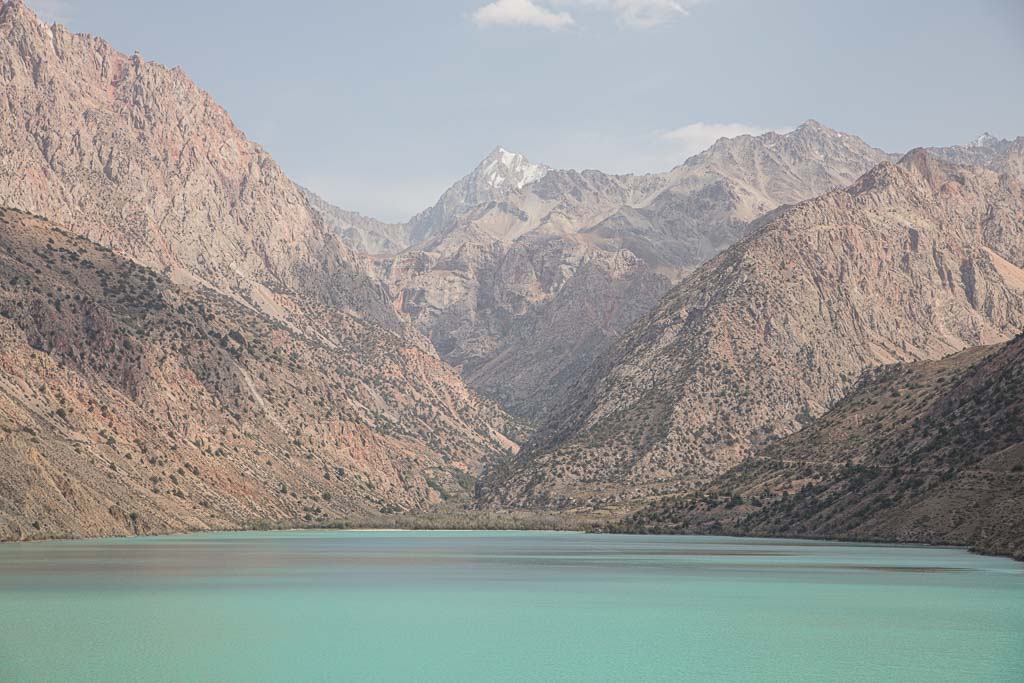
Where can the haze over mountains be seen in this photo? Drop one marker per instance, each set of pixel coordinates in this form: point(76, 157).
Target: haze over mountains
point(521, 274)
point(194, 341)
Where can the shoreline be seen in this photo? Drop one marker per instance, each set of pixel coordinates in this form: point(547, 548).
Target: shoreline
point(596, 531)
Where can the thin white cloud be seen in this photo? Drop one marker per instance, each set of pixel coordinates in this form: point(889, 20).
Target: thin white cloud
point(697, 137)
point(550, 14)
point(641, 13)
point(521, 13)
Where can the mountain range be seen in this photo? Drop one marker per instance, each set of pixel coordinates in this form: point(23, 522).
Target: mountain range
point(915, 260)
point(193, 341)
point(521, 275)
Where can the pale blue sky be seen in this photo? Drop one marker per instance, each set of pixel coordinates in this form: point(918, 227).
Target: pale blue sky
point(379, 105)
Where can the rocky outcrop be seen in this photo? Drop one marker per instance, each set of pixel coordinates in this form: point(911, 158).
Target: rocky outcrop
point(914, 261)
point(930, 452)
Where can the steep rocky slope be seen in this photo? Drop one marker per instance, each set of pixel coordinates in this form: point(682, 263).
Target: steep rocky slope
point(930, 452)
point(522, 274)
point(135, 156)
point(914, 261)
point(131, 404)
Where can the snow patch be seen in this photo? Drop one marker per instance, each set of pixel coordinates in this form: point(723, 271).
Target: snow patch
point(505, 169)
point(983, 140)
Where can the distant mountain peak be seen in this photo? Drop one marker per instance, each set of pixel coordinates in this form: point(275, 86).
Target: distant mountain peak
point(815, 128)
point(984, 140)
point(505, 171)
point(813, 124)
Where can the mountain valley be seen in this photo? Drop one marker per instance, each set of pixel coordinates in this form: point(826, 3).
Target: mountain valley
point(786, 334)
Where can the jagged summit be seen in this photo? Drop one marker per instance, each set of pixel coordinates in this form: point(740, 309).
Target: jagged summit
point(504, 170)
point(814, 125)
point(823, 143)
point(985, 150)
point(500, 174)
point(16, 12)
point(986, 139)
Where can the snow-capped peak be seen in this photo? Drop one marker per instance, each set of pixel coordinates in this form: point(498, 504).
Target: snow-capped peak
point(983, 140)
point(507, 171)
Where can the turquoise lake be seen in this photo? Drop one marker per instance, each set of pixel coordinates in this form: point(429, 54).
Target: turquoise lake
point(504, 606)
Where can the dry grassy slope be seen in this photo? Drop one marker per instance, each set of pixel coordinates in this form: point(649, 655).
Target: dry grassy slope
point(928, 452)
point(130, 404)
point(916, 260)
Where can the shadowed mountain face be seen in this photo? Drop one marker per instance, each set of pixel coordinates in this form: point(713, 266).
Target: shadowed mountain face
point(915, 260)
point(930, 452)
point(131, 404)
point(521, 275)
point(135, 157)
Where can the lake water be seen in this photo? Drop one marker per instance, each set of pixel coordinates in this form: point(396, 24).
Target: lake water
point(479, 606)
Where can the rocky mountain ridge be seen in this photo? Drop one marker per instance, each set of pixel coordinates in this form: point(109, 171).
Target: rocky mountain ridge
point(913, 261)
point(986, 150)
point(523, 274)
point(364, 235)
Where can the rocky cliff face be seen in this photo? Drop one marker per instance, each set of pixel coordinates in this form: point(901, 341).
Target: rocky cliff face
point(913, 261)
point(930, 452)
point(131, 404)
point(135, 156)
point(522, 274)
